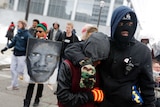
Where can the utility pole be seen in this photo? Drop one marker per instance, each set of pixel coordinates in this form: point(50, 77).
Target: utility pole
point(101, 6)
point(27, 10)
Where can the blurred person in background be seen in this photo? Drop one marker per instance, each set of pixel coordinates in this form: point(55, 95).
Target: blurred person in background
point(54, 33)
point(33, 29)
point(19, 42)
point(156, 76)
point(10, 32)
point(87, 30)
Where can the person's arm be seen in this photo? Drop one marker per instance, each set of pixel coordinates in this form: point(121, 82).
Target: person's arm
point(64, 94)
point(58, 35)
point(74, 52)
point(13, 42)
point(50, 34)
point(146, 81)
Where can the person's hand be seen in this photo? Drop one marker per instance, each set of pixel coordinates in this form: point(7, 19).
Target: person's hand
point(4, 49)
point(98, 95)
point(88, 77)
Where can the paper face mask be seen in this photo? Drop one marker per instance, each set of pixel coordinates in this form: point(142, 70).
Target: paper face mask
point(42, 59)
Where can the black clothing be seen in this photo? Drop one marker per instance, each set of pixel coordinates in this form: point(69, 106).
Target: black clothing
point(57, 35)
point(66, 41)
point(69, 91)
point(118, 82)
point(129, 64)
point(29, 93)
point(32, 31)
point(69, 94)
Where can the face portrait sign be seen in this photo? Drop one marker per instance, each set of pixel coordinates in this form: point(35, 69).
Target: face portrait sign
point(42, 59)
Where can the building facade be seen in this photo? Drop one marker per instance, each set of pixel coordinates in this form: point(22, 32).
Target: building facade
point(80, 12)
point(77, 10)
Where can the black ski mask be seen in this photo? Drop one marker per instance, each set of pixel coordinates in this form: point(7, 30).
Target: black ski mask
point(126, 24)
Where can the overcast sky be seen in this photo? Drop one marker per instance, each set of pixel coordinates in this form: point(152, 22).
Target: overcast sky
point(149, 15)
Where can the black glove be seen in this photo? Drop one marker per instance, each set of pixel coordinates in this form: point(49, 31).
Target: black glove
point(4, 49)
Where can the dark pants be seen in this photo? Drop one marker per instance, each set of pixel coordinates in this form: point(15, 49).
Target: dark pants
point(157, 103)
point(30, 91)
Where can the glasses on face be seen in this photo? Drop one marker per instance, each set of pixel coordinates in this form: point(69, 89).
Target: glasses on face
point(39, 31)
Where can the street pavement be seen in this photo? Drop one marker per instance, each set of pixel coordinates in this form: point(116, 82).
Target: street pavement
point(15, 98)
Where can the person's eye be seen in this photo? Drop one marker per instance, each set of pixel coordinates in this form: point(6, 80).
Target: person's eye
point(120, 24)
point(35, 54)
point(130, 23)
point(49, 56)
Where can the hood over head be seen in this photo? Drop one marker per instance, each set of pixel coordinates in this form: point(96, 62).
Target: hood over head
point(123, 14)
point(97, 46)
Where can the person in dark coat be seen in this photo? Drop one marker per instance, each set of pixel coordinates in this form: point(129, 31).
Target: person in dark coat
point(69, 93)
point(10, 32)
point(67, 38)
point(32, 30)
point(126, 75)
point(54, 33)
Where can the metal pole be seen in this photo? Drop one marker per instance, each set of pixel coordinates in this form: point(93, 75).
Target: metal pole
point(99, 17)
point(27, 10)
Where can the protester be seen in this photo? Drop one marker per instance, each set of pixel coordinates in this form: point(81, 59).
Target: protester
point(67, 38)
point(156, 76)
point(156, 50)
point(33, 29)
point(126, 75)
point(87, 30)
point(40, 34)
point(69, 92)
point(55, 32)
point(146, 41)
point(10, 32)
point(19, 42)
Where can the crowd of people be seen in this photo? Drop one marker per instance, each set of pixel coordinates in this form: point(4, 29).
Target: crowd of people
point(96, 71)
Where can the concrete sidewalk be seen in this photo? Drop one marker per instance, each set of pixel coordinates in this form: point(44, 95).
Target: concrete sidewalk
point(15, 98)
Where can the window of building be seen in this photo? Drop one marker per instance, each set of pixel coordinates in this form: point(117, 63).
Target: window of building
point(36, 6)
point(11, 4)
point(88, 11)
point(61, 8)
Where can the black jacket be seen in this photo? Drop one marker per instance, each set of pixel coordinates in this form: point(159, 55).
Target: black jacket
point(66, 41)
point(68, 92)
point(118, 81)
point(116, 75)
point(58, 34)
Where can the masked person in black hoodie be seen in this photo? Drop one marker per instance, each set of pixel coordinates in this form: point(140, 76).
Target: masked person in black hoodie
point(126, 76)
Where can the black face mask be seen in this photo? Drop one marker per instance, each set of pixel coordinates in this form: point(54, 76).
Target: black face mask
point(124, 26)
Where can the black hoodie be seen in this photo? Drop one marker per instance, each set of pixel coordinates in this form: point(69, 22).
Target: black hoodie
point(117, 80)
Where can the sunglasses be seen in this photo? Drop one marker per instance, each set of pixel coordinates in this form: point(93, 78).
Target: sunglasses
point(39, 31)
